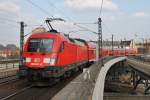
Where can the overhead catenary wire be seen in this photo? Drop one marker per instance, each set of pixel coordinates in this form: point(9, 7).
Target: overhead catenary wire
point(47, 13)
point(65, 15)
point(75, 24)
point(51, 4)
point(12, 18)
point(87, 23)
point(7, 14)
point(40, 8)
point(9, 24)
point(106, 27)
point(104, 24)
point(9, 20)
point(101, 8)
point(86, 29)
point(14, 22)
point(100, 38)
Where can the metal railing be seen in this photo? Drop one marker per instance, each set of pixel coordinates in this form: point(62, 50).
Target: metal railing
point(141, 58)
point(9, 64)
point(8, 68)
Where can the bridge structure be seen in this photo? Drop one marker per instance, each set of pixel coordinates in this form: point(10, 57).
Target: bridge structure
point(91, 83)
point(141, 72)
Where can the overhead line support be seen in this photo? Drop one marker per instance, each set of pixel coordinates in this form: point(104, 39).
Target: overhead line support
point(100, 42)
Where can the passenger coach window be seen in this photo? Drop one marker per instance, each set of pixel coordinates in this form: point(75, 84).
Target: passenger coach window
point(40, 45)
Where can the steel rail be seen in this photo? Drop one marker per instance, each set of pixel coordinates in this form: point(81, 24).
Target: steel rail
point(16, 93)
point(8, 80)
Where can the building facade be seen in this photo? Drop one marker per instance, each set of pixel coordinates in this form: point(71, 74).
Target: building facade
point(6, 53)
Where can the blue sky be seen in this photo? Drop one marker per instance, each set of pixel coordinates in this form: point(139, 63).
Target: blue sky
point(123, 18)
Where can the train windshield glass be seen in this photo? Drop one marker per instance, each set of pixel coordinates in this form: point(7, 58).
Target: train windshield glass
point(40, 45)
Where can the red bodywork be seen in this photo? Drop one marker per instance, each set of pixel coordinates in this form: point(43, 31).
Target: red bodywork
point(41, 55)
point(72, 53)
point(91, 52)
point(105, 52)
point(117, 52)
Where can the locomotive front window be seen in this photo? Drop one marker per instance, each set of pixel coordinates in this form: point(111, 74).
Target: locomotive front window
point(40, 45)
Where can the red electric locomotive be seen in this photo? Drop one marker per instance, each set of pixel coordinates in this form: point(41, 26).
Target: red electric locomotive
point(51, 55)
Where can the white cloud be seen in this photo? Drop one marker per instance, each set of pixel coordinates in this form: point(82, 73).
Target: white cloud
point(141, 14)
point(9, 7)
point(110, 18)
point(91, 4)
point(10, 14)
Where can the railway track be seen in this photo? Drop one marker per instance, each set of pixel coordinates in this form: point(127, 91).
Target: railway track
point(8, 80)
point(37, 93)
point(10, 87)
point(15, 93)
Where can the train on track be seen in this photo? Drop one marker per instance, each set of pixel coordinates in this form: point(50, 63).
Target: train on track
point(50, 55)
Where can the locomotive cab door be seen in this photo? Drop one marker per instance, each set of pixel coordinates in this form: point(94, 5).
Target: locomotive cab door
point(62, 47)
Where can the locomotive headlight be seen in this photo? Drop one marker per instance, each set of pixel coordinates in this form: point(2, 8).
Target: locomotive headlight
point(46, 60)
point(50, 61)
point(28, 60)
